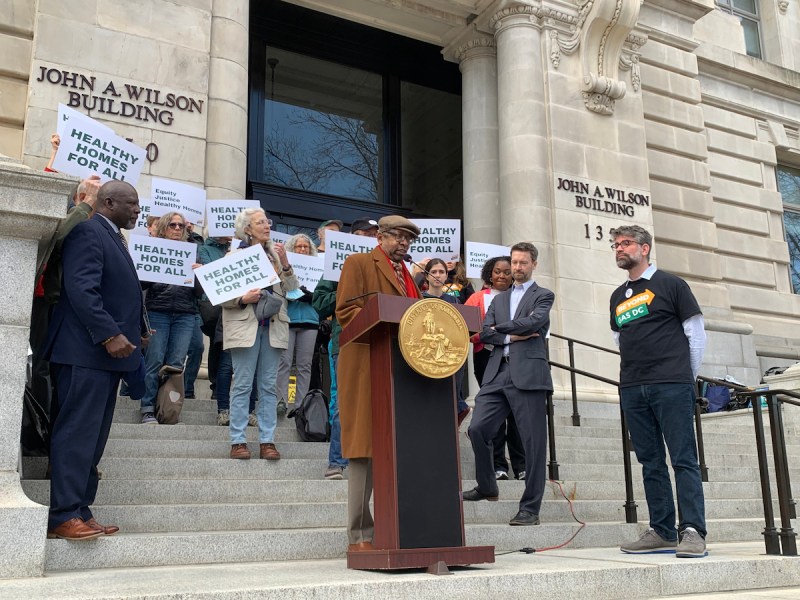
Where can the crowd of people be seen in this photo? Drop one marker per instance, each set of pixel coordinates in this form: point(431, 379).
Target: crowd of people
point(107, 328)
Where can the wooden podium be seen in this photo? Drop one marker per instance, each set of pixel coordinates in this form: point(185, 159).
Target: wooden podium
point(419, 519)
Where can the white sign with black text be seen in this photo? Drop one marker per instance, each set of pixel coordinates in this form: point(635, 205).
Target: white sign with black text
point(237, 273)
point(168, 195)
point(438, 238)
point(222, 214)
point(307, 269)
point(477, 255)
point(163, 261)
point(338, 246)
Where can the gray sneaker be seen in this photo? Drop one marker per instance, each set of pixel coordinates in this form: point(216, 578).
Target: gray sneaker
point(149, 418)
point(334, 472)
point(650, 543)
point(692, 545)
point(223, 418)
point(282, 407)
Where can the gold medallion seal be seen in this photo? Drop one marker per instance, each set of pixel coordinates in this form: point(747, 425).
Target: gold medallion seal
point(434, 338)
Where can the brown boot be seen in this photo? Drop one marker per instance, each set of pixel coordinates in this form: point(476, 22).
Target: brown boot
point(240, 451)
point(269, 452)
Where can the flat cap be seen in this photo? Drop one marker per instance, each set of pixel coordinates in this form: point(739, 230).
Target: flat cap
point(390, 222)
point(363, 224)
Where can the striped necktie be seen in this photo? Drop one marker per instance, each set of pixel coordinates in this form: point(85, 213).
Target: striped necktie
point(401, 279)
point(122, 239)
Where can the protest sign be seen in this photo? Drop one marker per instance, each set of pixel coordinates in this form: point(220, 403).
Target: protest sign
point(221, 215)
point(339, 246)
point(168, 195)
point(65, 114)
point(307, 269)
point(163, 261)
point(89, 148)
point(237, 273)
point(438, 238)
point(279, 236)
point(477, 255)
point(141, 222)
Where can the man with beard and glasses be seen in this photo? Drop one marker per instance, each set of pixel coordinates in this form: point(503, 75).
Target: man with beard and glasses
point(658, 326)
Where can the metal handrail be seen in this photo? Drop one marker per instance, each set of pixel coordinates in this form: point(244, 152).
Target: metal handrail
point(630, 503)
point(576, 416)
point(783, 542)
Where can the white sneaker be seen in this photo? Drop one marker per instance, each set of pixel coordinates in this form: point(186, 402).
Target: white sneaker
point(501, 476)
point(252, 420)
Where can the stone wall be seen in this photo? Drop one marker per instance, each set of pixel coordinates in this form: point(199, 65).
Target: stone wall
point(16, 35)
point(160, 45)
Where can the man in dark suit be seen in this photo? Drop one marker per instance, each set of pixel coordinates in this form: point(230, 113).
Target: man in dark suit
point(90, 346)
point(516, 380)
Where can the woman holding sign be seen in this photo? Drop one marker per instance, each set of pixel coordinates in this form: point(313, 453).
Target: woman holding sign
point(171, 309)
point(256, 344)
point(303, 328)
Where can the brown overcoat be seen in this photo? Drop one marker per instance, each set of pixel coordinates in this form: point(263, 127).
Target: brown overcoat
point(361, 273)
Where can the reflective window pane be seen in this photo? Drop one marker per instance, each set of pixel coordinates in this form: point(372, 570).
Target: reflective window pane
point(745, 5)
point(323, 127)
point(752, 40)
point(791, 222)
point(789, 185)
point(431, 150)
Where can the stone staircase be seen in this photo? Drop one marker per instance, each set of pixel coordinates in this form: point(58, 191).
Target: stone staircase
point(180, 502)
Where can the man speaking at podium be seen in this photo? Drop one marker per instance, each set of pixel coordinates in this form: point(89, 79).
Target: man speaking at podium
point(364, 275)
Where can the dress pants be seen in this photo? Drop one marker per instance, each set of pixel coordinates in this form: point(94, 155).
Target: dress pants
point(86, 407)
point(360, 526)
point(493, 404)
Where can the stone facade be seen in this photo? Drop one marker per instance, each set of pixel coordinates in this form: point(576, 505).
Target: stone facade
point(652, 107)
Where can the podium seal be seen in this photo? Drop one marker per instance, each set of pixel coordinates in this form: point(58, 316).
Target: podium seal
point(434, 338)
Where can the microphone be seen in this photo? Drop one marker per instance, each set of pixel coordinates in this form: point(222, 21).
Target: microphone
point(361, 296)
point(407, 258)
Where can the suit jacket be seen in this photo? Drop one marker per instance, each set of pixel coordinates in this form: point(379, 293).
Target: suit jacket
point(361, 273)
point(100, 297)
point(527, 359)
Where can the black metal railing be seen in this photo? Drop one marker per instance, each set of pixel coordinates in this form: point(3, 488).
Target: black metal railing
point(783, 541)
point(630, 503)
point(576, 416)
point(698, 421)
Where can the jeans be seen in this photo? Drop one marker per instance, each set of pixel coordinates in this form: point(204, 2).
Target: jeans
point(301, 344)
point(260, 360)
point(224, 378)
point(656, 414)
point(169, 345)
point(194, 359)
point(335, 458)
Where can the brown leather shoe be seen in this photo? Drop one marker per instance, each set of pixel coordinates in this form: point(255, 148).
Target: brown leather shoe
point(106, 529)
point(74, 529)
point(240, 451)
point(360, 547)
point(270, 452)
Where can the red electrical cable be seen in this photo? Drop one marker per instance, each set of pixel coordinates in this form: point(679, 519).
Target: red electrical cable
point(572, 511)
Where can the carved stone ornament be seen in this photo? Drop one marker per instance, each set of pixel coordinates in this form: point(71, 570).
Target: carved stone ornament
point(783, 6)
point(601, 30)
point(477, 44)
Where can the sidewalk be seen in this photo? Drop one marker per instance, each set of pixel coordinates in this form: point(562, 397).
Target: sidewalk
point(594, 573)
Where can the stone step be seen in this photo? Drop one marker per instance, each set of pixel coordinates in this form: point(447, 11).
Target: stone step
point(303, 468)
point(244, 491)
point(303, 515)
point(583, 573)
point(193, 548)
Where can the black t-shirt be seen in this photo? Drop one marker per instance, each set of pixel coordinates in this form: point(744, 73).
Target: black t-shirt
point(649, 316)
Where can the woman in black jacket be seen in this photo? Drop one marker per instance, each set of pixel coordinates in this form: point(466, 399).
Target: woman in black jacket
point(172, 310)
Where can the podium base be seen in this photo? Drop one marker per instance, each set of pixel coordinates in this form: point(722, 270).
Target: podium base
point(420, 558)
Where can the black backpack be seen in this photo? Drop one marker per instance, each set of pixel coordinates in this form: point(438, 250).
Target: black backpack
point(311, 417)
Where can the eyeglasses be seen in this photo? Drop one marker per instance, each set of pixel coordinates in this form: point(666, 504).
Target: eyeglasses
point(262, 221)
point(623, 244)
point(176, 226)
point(402, 237)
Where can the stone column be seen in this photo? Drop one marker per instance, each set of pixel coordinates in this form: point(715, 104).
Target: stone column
point(226, 139)
point(478, 64)
point(31, 203)
point(522, 132)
